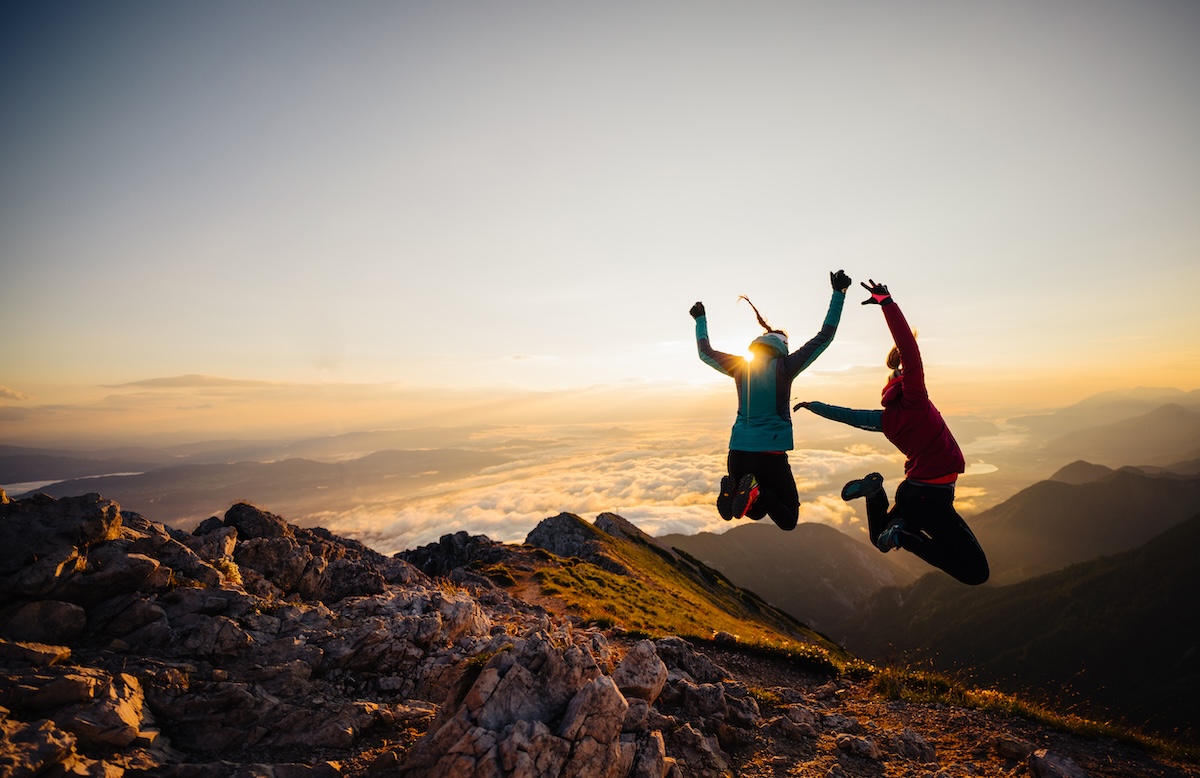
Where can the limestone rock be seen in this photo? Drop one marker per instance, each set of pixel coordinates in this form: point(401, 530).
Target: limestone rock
point(32, 654)
point(911, 746)
point(680, 657)
point(650, 760)
point(700, 754)
point(112, 720)
point(567, 535)
point(1047, 764)
point(863, 747)
point(43, 621)
point(641, 673)
point(1012, 748)
point(46, 542)
point(508, 717)
point(32, 748)
point(251, 522)
point(42, 526)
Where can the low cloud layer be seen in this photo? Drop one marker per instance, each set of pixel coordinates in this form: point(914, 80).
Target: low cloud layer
point(663, 480)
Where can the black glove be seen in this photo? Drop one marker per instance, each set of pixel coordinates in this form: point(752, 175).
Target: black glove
point(800, 405)
point(697, 310)
point(840, 281)
point(879, 294)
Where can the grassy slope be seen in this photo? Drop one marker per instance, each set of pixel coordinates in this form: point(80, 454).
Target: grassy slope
point(668, 594)
point(672, 595)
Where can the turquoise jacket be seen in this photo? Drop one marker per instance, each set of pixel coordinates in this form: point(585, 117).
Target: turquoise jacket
point(764, 415)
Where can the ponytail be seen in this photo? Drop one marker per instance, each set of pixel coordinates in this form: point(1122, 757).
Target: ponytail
point(761, 321)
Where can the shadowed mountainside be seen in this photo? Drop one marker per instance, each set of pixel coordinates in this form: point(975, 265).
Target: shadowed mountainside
point(1053, 524)
point(817, 573)
point(1117, 634)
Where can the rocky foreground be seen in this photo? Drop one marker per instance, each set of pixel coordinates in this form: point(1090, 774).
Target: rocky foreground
point(251, 647)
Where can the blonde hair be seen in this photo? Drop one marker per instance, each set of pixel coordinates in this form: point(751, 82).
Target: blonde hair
point(893, 358)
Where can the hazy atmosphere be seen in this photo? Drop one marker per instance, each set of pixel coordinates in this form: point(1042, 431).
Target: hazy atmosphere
point(282, 221)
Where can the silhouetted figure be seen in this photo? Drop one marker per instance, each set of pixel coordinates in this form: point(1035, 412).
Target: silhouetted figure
point(760, 481)
point(923, 519)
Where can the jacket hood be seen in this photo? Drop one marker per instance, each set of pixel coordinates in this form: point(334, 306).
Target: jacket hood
point(775, 341)
point(893, 391)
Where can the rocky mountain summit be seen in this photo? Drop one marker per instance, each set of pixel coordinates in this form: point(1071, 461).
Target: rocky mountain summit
point(253, 647)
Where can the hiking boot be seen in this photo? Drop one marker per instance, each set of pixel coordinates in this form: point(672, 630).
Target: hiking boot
point(890, 537)
point(867, 486)
point(747, 493)
point(725, 497)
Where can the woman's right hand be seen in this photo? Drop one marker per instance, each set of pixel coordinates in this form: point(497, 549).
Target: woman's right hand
point(697, 310)
point(879, 294)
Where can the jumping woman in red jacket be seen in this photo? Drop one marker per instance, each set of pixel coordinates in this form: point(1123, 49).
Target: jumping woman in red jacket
point(923, 520)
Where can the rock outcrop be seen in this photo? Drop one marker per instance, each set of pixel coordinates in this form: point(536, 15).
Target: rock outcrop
point(252, 647)
point(567, 535)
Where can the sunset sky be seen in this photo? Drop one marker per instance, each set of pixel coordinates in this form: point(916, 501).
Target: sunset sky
point(224, 215)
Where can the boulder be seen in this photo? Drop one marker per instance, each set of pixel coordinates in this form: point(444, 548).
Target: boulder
point(862, 747)
point(41, 526)
point(34, 748)
point(567, 535)
point(1047, 764)
point(46, 542)
point(641, 673)
point(44, 621)
point(540, 708)
point(909, 745)
point(681, 658)
point(251, 522)
point(112, 720)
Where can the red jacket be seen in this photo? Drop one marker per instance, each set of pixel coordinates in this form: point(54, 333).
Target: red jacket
point(910, 421)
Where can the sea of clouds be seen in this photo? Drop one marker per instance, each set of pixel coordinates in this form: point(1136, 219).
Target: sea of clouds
point(661, 477)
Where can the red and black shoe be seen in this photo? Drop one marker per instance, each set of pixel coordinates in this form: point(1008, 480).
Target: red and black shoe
point(747, 493)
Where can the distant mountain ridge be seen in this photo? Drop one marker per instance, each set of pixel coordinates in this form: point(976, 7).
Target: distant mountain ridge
point(1107, 407)
point(1053, 524)
point(1080, 472)
point(185, 493)
point(1164, 435)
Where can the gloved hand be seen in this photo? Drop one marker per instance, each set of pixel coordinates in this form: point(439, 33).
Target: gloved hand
point(879, 294)
point(697, 310)
point(800, 405)
point(840, 281)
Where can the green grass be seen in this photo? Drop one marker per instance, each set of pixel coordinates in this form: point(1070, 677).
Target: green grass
point(919, 686)
point(499, 574)
point(662, 596)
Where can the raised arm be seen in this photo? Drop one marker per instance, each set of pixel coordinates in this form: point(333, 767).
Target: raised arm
point(718, 360)
point(912, 377)
point(804, 356)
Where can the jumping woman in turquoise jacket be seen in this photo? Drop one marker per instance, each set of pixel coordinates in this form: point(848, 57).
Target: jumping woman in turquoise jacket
point(760, 481)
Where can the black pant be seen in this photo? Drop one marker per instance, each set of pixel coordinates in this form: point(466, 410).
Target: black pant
point(777, 496)
point(936, 532)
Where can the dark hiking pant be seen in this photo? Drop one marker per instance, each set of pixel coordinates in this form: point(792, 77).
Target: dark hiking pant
point(935, 531)
point(777, 496)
